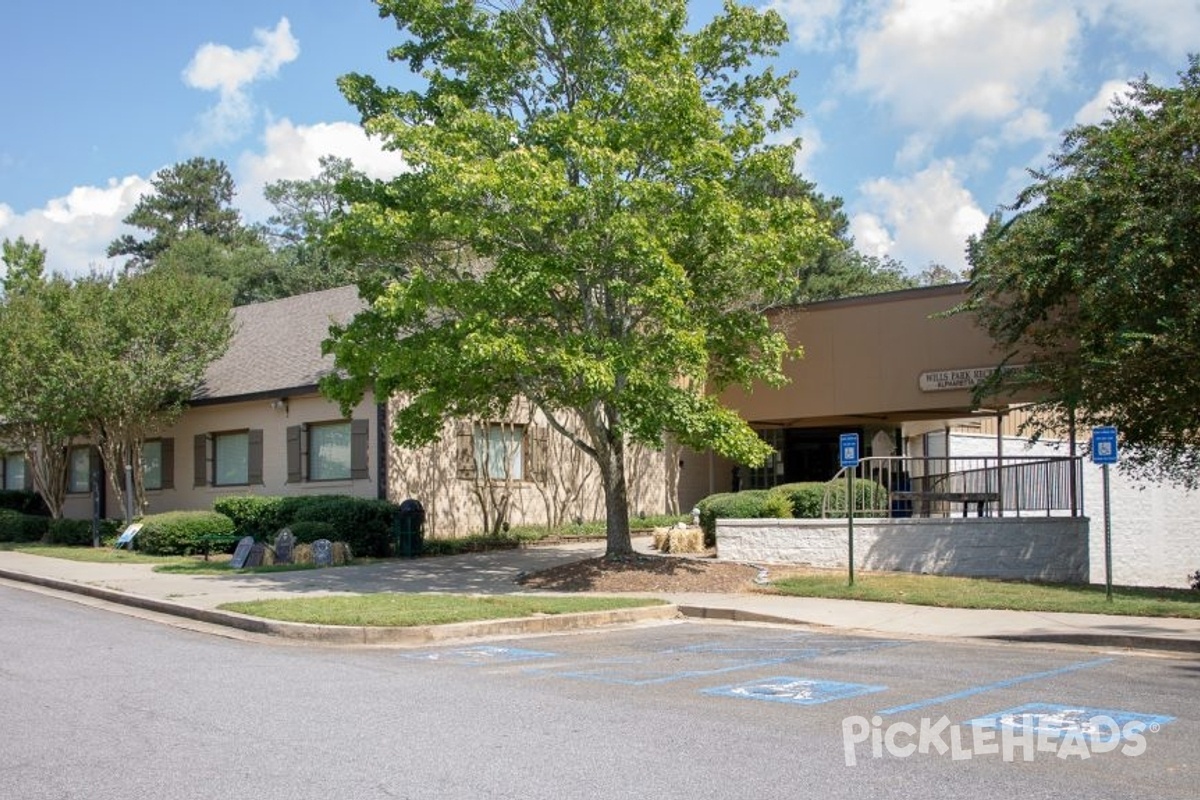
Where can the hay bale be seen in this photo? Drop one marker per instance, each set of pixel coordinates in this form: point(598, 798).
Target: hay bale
point(341, 554)
point(686, 540)
point(268, 556)
point(662, 538)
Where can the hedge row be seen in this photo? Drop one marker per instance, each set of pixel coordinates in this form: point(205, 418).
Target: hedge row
point(799, 500)
point(364, 524)
point(24, 502)
point(18, 527)
point(180, 533)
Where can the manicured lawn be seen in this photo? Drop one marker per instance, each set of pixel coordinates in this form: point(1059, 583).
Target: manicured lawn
point(934, 590)
point(406, 610)
point(196, 566)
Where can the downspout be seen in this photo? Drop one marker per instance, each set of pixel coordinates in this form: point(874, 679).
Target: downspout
point(381, 457)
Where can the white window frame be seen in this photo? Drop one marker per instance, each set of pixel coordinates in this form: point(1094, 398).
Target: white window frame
point(147, 472)
point(344, 465)
point(500, 451)
point(80, 456)
point(229, 438)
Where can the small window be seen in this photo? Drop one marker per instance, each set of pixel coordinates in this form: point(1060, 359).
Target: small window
point(329, 451)
point(500, 451)
point(14, 471)
point(152, 465)
point(80, 476)
point(231, 459)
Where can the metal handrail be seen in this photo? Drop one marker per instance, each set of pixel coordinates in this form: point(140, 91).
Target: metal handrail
point(925, 486)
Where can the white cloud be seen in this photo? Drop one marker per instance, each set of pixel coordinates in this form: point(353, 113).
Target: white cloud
point(1169, 28)
point(1031, 125)
point(938, 62)
point(76, 229)
point(922, 218)
point(1095, 110)
point(293, 152)
point(870, 235)
point(812, 22)
point(220, 68)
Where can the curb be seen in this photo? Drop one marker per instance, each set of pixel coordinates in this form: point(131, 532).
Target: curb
point(356, 634)
point(1127, 641)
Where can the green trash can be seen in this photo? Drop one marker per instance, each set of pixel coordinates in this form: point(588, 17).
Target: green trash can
point(408, 529)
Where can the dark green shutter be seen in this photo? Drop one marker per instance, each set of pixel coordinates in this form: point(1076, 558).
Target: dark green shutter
point(254, 471)
point(167, 449)
point(295, 469)
point(360, 430)
point(200, 459)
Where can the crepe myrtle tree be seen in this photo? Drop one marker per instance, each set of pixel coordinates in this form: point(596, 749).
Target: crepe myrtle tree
point(588, 223)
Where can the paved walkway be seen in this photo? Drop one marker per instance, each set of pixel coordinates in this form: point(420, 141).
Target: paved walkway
point(496, 572)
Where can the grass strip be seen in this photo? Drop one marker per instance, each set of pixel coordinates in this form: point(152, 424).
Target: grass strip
point(947, 592)
point(407, 610)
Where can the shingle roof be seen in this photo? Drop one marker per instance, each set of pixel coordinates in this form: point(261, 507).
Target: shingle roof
point(276, 345)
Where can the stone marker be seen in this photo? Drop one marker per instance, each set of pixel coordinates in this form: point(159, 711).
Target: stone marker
point(257, 552)
point(285, 543)
point(322, 552)
point(241, 553)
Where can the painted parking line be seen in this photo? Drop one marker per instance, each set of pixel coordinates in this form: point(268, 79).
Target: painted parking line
point(641, 672)
point(796, 691)
point(645, 670)
point(991, 687)
point(483, 654)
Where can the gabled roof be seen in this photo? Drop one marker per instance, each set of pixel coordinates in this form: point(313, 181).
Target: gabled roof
point(276, 346)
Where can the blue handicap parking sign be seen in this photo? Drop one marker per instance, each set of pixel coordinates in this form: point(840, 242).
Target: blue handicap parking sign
point(797, 691)
point(1104, 445)
point(848, 448)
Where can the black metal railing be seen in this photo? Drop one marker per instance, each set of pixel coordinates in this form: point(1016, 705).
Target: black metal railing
point(940, 486)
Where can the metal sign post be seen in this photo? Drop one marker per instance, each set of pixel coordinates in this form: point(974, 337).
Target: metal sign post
point(848, 456)
point(1105, 453)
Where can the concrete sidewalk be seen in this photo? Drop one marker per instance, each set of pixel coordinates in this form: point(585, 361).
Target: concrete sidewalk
point(197, 597)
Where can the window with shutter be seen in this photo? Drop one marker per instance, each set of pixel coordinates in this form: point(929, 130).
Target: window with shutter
point(465, 441)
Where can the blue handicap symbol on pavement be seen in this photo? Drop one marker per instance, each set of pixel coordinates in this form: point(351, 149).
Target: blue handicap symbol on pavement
point(1051, 721)
point(797, 691)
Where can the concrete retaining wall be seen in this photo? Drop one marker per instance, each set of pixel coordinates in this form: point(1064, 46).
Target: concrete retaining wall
point(1042, 548)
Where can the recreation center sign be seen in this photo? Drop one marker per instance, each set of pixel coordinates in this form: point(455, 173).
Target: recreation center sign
point(948, 380)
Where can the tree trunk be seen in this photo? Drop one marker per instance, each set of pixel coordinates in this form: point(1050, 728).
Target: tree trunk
point(616, 497)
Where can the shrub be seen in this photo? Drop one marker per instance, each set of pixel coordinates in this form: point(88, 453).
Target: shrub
point(253, 515)
point(18, 527)
point(1194, 579)
point(308, 531)
point(750, 504)
point(78, 532)
point(25, 502)
point(180, 532)
point(805, 498)
point(469, 544)
point(871, 499)
point(364, 524)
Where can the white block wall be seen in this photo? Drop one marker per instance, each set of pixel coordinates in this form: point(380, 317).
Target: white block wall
point(1044, 548)
point(1155, 527)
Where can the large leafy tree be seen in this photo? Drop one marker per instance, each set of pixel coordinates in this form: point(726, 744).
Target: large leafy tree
point(303, 260)
point(1094, 282)
point(584, 223)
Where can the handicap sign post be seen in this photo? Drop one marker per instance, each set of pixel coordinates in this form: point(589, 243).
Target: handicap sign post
point(1105, 452)
point(848, 458)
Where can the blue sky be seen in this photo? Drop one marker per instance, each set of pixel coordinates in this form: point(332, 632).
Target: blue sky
point(923, 115)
